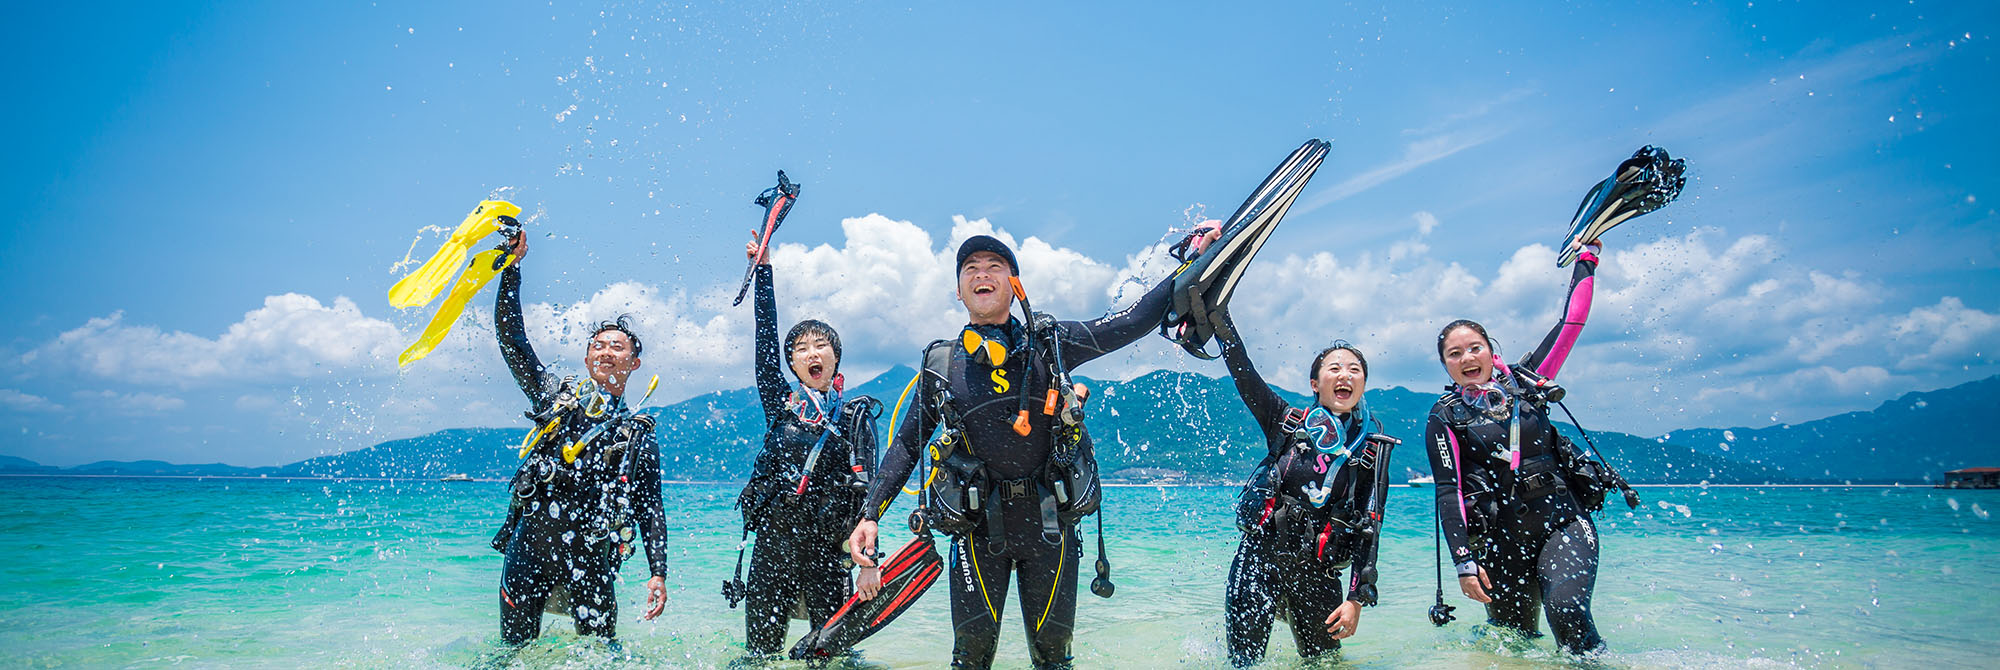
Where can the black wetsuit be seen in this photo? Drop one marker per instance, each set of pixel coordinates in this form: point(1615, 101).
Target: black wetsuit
point(562, 528)
point(1282, 569)
point(798, 555)
point(987, 400)
point(1523, 525)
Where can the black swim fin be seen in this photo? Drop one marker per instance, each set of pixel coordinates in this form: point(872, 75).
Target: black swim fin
point(905, 577)
point(1205, 282)
point(1645, 182)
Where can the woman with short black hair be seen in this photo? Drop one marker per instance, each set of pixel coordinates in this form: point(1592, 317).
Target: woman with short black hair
point(810, 478)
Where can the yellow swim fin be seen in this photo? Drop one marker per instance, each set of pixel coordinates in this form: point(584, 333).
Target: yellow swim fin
point(483, 268)
point(421, 286)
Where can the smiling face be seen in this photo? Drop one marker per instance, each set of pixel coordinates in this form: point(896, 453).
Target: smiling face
point(983, 287)
point(1340, 381)
point(813, 361)
point(1468, 356)
point(611, 358)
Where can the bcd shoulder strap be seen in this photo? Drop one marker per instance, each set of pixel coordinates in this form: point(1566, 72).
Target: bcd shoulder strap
point(1295, 418)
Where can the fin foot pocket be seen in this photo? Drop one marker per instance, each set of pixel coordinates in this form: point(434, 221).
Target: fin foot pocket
point(1205, 282)
point(1645, 182)
point(423, 284)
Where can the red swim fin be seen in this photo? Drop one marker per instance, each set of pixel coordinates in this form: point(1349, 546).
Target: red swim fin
point(905, 578)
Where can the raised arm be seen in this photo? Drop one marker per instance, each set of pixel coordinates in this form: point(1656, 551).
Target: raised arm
point(771, 386)
point(1546, 360)
point(1084, 341)
point(513, 333)
point(1265, 406)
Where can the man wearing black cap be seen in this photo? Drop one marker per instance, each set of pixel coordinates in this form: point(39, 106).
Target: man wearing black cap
point(992, 365)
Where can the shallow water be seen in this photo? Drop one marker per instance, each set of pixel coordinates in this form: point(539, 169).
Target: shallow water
point(245, 573)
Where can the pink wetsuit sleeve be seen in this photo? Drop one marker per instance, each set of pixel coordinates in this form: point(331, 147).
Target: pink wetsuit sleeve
point(1548, 359)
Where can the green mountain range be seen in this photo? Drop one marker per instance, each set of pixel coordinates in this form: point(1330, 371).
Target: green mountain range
point(1187, 428)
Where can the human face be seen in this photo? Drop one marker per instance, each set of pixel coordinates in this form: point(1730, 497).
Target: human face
point(1340, 381)
point(1468, 357)
point(983, 287)
point(611, 359)
point(813, 361)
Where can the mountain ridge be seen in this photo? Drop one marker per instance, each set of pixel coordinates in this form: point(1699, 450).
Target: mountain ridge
point(1183, 427)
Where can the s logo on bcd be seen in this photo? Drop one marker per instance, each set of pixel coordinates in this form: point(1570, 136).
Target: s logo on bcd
point(1000, 384)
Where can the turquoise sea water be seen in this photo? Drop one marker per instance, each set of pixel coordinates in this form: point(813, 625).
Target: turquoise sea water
point(145, 573)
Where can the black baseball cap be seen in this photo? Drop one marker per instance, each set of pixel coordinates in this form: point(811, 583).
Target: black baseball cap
point(987, 243)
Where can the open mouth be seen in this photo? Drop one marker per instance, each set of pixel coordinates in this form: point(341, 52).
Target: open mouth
point(1343, 392)
point(1469, 372)
point(984, 289)
point(815, 371)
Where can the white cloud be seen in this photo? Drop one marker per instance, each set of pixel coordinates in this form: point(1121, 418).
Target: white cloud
point(891, 288)
point(1426, 222)
point(1942, 336)
point(1686, 330)
point(291, 337)
point(1680, 322)
point(1415, 155)
point(27, 402)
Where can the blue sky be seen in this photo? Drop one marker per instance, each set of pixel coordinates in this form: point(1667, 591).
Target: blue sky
point(208, 200)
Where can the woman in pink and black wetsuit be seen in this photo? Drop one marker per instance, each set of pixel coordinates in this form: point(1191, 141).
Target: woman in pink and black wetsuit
point(1518, 535)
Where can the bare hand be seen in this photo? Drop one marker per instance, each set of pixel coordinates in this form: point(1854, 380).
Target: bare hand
point(869, 584)
point(752, 250)
point(861, 544)
point(656, 597)
point(1476, 587)
point(1344, 620)
point(520, 249)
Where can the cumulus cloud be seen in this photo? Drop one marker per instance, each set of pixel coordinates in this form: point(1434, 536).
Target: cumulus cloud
point(891, 288)
point(1941, 336)
point(1685, 330)
point(292, 336)
point(1695, 329)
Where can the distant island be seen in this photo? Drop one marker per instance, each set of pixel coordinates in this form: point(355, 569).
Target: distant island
point(1182, 428)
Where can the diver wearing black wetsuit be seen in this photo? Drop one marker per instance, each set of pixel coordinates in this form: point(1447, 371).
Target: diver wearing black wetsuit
point(569, 526)
point(1288, 566)
point(987, 400)
point(1521, 523)
point(798, 557)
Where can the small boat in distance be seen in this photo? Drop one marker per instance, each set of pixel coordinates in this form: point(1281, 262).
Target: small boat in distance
point(1422, 481)
point(460, 477)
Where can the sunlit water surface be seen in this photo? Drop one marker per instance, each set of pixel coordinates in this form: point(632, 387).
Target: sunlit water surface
point(246, 573)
